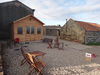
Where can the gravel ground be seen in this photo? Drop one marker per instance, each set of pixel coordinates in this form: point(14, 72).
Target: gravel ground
point(70, 61)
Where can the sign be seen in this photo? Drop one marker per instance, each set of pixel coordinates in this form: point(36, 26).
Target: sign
point(88, 54)
point(88, 57)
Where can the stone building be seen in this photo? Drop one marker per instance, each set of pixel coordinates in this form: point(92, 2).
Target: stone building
point(51, 30)
point(82, 32)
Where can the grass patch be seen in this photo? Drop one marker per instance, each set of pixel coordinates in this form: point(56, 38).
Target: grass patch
point(96, 44)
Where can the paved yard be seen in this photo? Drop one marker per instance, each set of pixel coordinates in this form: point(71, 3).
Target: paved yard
point(70, 61)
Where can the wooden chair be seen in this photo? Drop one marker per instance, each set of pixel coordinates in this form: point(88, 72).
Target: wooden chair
point(35, 65)
point(24, 55)
point(61, 46)
point(49, 45)
point(56, 44)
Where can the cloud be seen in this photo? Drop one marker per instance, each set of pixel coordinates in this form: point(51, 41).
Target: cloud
point(63, 9)
point(5, 0)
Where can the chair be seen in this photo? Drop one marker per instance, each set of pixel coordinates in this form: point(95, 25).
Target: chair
point(24, 55)
point(56, 44)
point(35, 65)
point(61, 46)
point(17, 40)
point(49, 45)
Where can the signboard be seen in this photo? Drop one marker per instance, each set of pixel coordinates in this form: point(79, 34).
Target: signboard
point(88, 57)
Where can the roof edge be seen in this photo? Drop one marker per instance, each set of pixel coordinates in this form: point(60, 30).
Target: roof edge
point(26, 17)
point(89, 24)
point(17, 1)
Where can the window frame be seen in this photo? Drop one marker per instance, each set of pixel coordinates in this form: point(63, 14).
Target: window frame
point(38, 30)
point(32, 30)
point(19, 31)
point(28, 30)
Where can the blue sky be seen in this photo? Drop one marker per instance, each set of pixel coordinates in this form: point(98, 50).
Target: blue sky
point(54, 12)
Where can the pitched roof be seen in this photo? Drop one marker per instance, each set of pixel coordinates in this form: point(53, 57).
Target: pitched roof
point(89, 26)
point(27, 17)
point(9, 2)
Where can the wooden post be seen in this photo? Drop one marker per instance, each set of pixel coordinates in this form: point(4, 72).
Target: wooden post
point(57, 38)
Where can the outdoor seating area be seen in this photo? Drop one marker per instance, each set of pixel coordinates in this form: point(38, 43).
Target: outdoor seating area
point(36, 58)
point(54, 43)
point(36, 40)
point(59, 45)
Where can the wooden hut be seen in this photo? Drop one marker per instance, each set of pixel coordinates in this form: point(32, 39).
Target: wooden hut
point(28, 28)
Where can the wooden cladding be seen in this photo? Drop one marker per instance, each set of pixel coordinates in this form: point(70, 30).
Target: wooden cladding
point(31, 30)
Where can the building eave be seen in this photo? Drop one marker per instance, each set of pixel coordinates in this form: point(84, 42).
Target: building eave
point(27, 17)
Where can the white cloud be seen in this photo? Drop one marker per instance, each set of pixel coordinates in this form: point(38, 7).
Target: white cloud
point(51, 9)
point(62, 9)
point(5, 0)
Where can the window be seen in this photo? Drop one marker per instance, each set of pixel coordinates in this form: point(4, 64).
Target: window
point(32, 30)
point(28, 30)
point(20, 30)
point(39, 30)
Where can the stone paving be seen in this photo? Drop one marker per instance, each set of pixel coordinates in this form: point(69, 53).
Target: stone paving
point(70, 61)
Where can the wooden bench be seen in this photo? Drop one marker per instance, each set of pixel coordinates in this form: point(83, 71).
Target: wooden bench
point(47, 40)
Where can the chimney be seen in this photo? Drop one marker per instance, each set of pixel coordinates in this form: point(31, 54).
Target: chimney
point(33, 11)
point(66, 20)
point(15, 0)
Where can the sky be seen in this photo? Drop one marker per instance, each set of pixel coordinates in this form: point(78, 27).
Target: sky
point(55, 12)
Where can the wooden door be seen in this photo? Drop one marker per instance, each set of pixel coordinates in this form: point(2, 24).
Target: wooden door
point(30, 33)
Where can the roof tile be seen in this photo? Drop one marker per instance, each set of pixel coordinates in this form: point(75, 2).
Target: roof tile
point(89, 26)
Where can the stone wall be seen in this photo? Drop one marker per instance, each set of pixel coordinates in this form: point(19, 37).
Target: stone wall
point(92, 37)
point(51, 30)
point(73, 32)
point(64, 28)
